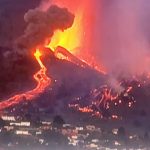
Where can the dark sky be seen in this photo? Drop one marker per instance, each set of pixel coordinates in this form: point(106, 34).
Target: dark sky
point(12, 18)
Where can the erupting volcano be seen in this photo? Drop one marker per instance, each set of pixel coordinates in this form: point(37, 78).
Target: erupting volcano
point(68, 35)
point(62, 41)
point(74, 74)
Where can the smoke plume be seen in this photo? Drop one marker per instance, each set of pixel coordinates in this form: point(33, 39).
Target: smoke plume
point(121, 36)
point(42, 24)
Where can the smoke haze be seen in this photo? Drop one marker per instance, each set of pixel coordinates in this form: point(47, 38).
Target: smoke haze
point(121, 36)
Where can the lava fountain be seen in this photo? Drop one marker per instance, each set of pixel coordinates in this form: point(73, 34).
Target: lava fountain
point(77, 39)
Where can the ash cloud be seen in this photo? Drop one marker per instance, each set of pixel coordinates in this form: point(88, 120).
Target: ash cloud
point(42, 24)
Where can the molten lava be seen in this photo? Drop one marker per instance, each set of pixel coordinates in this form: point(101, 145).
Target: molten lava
point(43, 81)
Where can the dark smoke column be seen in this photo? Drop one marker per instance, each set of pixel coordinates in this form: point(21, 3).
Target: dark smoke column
point(42, 24)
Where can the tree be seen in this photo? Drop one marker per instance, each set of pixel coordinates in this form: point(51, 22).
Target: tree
point(137, 123)
point(55, 138)
point(121, 132)
point(2, 123)
point(146, 136)
point(5, 136)
point(58, 121)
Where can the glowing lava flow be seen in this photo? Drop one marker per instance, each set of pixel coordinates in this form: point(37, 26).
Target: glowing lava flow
point(43, 82)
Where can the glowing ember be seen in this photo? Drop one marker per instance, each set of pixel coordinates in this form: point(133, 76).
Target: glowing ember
point(43, 81)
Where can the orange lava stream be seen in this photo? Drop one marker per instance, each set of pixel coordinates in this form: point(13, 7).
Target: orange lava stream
point(43, 81)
